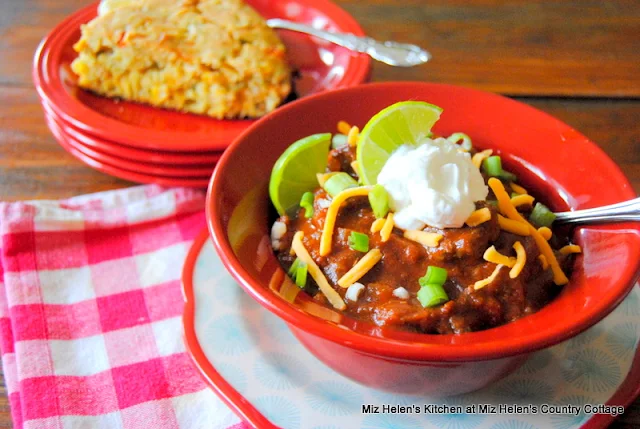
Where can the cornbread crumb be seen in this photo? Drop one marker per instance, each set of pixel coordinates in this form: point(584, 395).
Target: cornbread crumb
point(211, 57)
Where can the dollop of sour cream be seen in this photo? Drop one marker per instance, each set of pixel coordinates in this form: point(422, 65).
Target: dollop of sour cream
point(432, 184)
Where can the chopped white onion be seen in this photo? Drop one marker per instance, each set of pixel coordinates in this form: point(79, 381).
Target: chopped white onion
point(354, 291)
point(401, 293)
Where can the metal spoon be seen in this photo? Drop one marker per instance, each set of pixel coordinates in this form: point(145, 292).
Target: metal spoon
point(620, 212)
point(392, 53)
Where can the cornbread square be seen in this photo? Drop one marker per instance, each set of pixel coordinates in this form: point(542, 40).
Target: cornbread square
point(213, 57)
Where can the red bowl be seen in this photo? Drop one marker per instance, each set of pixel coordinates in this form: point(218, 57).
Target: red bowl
point(559, 163)
point(322, 67)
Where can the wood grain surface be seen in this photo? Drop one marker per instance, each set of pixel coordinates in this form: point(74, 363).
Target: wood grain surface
point(577, 60)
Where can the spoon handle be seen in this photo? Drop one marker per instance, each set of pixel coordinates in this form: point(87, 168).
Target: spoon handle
point(392, 53)
point(620, 212)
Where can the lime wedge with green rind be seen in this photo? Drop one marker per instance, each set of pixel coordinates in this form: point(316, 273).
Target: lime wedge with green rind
point(294, 173)
point(407, 122)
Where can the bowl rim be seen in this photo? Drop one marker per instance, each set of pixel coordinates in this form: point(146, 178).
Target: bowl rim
point(394, 348)
point(49, 85)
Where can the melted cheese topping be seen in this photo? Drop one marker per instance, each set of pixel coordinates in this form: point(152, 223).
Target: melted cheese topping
point(521, 259)
point(504, 203)
point(355, 166)
point(352, 137)
point(484, 282)
point(545, 232)
point(522, 200)
point(387, 228)
point(570, 248)
point(543, 261)
point(344, 127)
point(315, 271)
point(428, 239)
point(479, 217)
point(332, 214)
point(377, 225)
point(492, 255)
point(518, 189)
point(481, 156)
point(559, 277)
point(513, 226)
point(361, 268)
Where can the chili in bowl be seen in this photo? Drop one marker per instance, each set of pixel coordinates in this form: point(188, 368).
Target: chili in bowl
point(442, 297)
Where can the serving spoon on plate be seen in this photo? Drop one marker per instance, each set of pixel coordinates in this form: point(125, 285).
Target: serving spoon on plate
point(619, 212)
point(391, 53)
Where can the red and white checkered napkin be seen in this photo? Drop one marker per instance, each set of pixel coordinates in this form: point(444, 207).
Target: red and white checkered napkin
point(90, 312)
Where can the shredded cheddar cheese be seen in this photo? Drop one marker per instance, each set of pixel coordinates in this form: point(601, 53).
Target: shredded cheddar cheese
point(545, 232)
point(427, 239)
point(570, 248)
point(521, 259)
point(522, 200)
point(518, 189)
point(332, 214)
point(315, 271)
point(481, 156)
point(484, 282)
point(559, 277)
point(355, 166)
point(377, 225)
point(513, 226)
point(492, 255)
point(543, 261)
point(361, 268)
point(352, 137)
point(507, 209)
point(479, 217)
point(504, 202)
point(387, 228)
point(344, 127)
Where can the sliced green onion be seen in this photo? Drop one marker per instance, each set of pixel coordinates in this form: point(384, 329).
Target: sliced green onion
point(306, 202)
point(492, 166)
point(435, 275)
point(359, 241)
point(492, 203)
point(431, 295)
point(514, 194)
point(338, 183)
point(338, 140)
point(542, 216)
point(379, 200)
point(508, 176)
point(301, 275)
point(466, 140)
point(294, 267)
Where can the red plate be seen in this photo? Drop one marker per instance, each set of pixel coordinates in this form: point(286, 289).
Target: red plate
point(628, 390)
point(123, 173)
point(322, 66)
point(141, 167)
point(148, 156)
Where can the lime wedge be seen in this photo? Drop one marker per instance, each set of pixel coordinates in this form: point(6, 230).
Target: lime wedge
point(294, 173)
point(406, 122)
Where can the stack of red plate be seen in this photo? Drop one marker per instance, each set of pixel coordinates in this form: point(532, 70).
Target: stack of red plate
point(150, 145)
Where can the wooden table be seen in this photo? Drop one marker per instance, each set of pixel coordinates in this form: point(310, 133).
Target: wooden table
point(577, 60)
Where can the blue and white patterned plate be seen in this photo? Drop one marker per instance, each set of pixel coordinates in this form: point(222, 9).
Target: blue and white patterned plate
point(258, 356)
